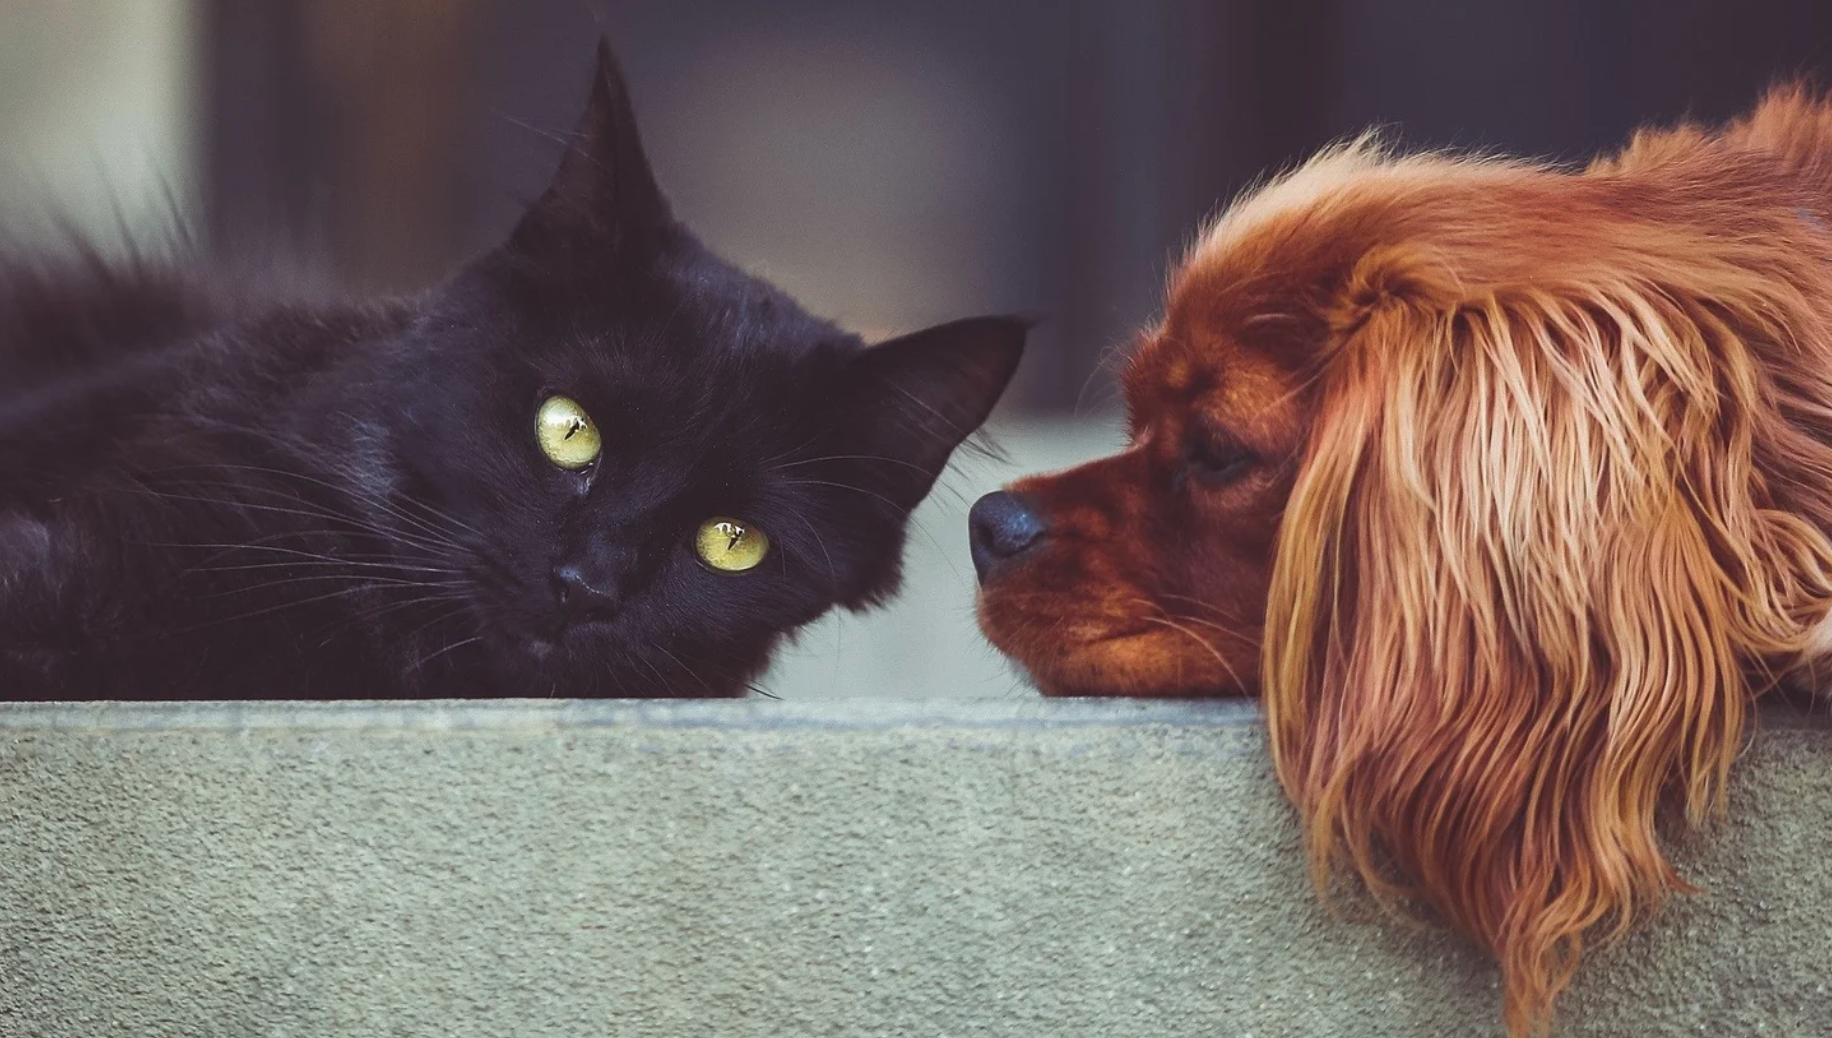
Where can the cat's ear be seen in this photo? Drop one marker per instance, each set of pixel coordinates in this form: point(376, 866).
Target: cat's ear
point(909, 402)
point(604, 193)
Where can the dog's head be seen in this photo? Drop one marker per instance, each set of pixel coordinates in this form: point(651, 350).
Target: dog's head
point(1498, 482)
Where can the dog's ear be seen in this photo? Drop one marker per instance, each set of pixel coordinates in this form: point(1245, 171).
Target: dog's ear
point(1528, 563)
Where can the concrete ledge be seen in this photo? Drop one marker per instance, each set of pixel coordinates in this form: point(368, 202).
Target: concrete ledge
point(1020, 868)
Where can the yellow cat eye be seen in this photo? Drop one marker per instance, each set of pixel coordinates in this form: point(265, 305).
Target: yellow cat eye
point(566, 433)
point(731, 546)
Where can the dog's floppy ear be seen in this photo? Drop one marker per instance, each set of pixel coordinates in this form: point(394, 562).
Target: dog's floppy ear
point(1528, 563)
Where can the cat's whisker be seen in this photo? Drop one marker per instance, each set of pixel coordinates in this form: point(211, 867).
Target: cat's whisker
point(369, 616)
point(353, 488)
point(317, 514)
point(562, 139)
point(248, 505)
point(946, 423)
point(663, 649)
point(840, 486)
point(660, 678)
point(444, 617)
point(417, 532)
point(421, 664)
point(846, 457)
point(946, 556)
point(348, 564)
point(357, 589)
point(617, 676)
point(791, 452)
point(833, 577)
point(225, 549)
point(369, 582)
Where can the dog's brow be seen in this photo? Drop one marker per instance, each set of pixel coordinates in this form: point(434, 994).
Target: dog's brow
point(1270, 317)
point(1205, 426)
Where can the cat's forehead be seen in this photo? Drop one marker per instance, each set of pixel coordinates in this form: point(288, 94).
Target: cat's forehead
point(680, 347)
point(735, 308)
point(711, 353)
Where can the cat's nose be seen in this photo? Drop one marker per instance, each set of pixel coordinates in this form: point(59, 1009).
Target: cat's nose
point(581, 596)
point(1002, 526)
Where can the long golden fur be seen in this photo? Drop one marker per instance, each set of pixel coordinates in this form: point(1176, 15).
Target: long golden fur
point(1513, 486)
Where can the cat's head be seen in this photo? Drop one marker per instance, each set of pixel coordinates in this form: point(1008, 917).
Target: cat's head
point(654, 464)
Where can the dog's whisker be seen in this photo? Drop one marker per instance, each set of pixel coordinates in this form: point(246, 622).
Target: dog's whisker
point(1233, 674)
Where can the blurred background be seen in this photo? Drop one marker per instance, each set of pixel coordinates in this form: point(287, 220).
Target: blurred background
point(893, 163)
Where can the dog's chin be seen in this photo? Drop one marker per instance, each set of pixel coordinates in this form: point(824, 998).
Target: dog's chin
point(1057, 690)
point(1071, 657)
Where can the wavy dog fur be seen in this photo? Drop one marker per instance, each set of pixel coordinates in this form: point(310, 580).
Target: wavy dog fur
point(1559, 524)
point(1553, 452)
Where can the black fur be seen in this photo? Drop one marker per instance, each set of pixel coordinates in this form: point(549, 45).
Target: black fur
point(214, 497)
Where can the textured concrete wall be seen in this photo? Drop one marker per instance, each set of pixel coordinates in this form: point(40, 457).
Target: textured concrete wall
point(1016, 868)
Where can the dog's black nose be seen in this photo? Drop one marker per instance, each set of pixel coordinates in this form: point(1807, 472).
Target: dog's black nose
point(1002, 527)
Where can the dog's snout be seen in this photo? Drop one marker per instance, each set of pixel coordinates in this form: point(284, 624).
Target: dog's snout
point(1002, 526)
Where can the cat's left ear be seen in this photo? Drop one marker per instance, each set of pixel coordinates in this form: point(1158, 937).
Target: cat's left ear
point(604, 193)
point(909, 402)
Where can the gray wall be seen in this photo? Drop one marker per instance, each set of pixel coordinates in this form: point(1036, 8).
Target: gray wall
point(98, 119)
point(1026, 868)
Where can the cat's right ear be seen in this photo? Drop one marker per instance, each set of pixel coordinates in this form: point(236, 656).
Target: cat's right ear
point(908, 403)
point(604, 195)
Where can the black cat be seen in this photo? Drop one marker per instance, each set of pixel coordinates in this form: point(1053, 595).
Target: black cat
point(599, 462)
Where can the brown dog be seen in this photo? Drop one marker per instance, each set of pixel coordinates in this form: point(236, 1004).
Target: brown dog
point(1505, 486)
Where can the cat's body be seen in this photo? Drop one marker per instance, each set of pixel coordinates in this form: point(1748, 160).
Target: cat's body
point(205, 495)
point(137, 447)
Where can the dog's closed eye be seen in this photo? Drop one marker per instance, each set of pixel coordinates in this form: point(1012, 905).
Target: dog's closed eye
point(1215, 459)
